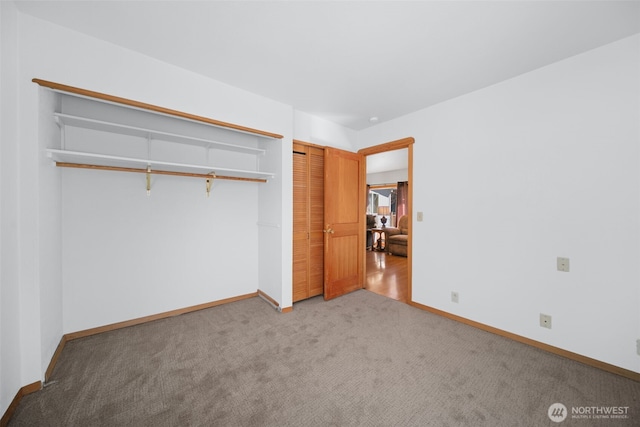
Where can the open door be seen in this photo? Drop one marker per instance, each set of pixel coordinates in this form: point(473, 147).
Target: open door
point(344, 215)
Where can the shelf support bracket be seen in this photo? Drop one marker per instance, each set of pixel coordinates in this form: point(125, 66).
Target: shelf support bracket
point(62, 134)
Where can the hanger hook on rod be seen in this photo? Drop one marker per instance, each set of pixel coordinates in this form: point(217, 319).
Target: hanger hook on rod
point(209, 181)
point(148, 180)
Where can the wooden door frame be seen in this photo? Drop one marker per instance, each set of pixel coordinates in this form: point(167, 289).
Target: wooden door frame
point(392, 146)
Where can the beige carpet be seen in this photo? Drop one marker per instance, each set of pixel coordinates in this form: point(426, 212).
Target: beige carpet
point(359, 360)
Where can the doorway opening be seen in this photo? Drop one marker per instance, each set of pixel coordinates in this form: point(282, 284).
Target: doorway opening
point(388, 256)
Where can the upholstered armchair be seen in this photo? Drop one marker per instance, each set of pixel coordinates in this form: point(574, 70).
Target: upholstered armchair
point(397, 238)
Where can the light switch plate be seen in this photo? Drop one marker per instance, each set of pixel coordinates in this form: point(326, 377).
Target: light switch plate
point(420, 217)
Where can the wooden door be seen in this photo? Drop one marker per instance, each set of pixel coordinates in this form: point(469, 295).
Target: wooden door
point(344, 216)
point(308, 221)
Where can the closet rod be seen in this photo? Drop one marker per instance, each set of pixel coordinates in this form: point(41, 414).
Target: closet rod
point(157, 172)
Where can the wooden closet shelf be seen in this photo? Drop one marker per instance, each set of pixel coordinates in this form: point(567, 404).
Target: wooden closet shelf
point(94, 111)
point(97, 96)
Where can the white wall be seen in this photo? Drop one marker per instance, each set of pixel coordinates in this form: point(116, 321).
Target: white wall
point(10, 354)
point(511, 177)
point(276, 252)
point(319, 131)
point(63, 216)
point(48, 282)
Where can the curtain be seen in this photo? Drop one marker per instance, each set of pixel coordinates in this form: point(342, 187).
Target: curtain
point(403, 198)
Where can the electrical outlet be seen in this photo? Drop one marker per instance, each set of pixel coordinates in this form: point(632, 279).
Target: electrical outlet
point(545, 321)
point(454, 297)
point(638, 347)
point(563, 264)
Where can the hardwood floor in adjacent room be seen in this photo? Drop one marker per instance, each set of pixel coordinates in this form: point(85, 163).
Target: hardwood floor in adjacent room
point(387, 275)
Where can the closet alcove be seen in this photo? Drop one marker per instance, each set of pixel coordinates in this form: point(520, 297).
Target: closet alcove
point(193, 232)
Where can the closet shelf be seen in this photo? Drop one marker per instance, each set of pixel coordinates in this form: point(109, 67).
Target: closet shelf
point(99, 112)
point(101, 125)
point(81, 159)
point(154, 109)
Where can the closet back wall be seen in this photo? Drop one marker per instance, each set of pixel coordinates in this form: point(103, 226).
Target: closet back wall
point(124, 252)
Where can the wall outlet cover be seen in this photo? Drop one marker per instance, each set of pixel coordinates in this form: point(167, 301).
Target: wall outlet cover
point(545, 321)
point(454, 297)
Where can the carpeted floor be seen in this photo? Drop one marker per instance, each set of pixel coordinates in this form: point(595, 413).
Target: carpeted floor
point(359, 360)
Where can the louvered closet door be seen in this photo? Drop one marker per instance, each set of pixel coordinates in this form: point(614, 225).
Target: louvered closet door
point(316, 221)
point(308, 221)
point(300, 223)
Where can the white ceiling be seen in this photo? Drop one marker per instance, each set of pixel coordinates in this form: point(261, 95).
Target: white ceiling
point(349, 60)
